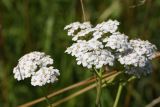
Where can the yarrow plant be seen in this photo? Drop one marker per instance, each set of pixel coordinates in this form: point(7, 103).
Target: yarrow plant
point(94, 47)
point(103, 44)
point(38, 67)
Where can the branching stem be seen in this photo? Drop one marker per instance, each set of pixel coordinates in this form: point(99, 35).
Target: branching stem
point(99, 88)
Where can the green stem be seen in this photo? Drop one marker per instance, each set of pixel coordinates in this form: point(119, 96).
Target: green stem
point(99, 88)
point(97, 73)
point(118, 95)
point(105, 82)
point(46, 97)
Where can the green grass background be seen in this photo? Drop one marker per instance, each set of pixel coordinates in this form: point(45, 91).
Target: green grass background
point(37, 25)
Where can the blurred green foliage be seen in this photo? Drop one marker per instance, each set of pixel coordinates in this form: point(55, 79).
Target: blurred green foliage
point(37, 25)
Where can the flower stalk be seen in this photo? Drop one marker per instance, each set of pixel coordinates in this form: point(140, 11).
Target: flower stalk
point(99, 88)
point(46, 97)
point(118, 95)
point(105, 82)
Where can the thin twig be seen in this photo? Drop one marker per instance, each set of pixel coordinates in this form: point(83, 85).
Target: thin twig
point(92, 79)
point(46, 97)
point(73, 95)
point(157, 55)
point(154, 102)
point(139, 4)
point(82, 6)
point(84, 90)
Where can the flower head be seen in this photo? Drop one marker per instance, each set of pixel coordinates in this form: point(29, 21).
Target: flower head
point(139, 71)
point(44, 75)
point(137, 61)
point(77, 29)
point(118, 42)
point(96, 58)
point(90, 53)
point(108, 26)
point(73, 27)
point(144, 48)
point(101, 45)
point(31, 63)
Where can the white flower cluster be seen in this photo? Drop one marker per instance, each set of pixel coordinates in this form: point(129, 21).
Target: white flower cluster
point(44, 75)
point(109, 26)
point(118, 42)
point(103, 44)
point(77, 29)
point(90, 53)
point(73, 28)
point(96, 58)
point(36, 65)
point(138, 59)
point(143, 48)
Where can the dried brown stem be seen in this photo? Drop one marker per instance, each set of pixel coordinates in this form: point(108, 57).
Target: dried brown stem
point(84, 90)
point(83, 11)
point(85, 82)
point(157, 55)
point(154, 102)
